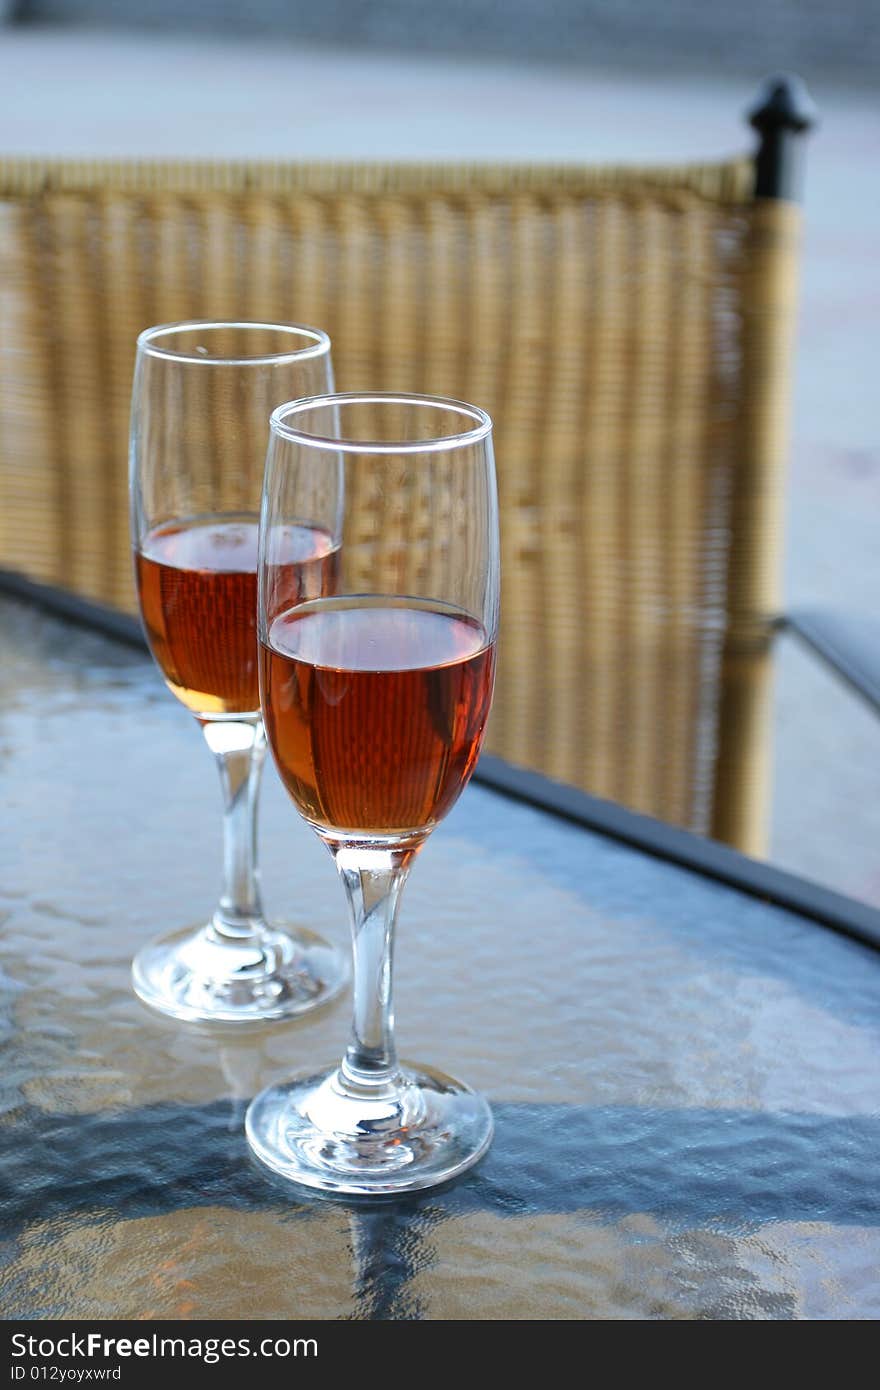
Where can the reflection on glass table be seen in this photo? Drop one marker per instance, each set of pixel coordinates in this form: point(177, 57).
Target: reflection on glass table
point(682, 1071)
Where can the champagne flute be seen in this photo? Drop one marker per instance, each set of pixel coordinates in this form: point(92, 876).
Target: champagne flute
point(375, 699)
point(202, 395)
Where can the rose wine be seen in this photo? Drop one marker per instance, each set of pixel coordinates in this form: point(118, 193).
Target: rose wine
point(375, 709)
point(197, 584)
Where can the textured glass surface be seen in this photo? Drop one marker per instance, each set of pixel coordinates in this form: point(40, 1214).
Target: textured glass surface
point(685, 1081)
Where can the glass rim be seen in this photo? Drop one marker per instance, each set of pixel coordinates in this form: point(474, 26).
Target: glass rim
point(480, 430)
point(318, 345)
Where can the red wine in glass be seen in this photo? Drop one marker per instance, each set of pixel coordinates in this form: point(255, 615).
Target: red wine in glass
point(375, 709)
point(197, 586)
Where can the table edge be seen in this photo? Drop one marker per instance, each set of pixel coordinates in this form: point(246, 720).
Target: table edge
point(704, 856)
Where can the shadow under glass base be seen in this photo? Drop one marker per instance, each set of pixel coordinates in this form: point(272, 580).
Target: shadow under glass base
point(192, 975)
point(421, 1132)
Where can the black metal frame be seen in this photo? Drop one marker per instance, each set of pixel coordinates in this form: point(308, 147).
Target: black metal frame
point(83, 612)
point(783, 114)
point(654, 837)
point(683, 847)
point(855, 661)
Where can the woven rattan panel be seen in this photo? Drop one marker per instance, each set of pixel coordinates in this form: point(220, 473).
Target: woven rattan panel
point(596, 314)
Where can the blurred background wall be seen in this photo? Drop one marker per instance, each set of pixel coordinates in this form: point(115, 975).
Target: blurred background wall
point(728, 35)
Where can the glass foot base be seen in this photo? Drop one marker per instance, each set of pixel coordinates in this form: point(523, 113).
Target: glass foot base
point(419, 1133)
point(192, 975)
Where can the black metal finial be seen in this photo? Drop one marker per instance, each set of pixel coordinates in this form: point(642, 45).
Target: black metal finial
point(782, 115)
point(784, 104)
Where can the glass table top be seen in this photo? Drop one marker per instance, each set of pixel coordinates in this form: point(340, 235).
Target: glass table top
point(684, 1078)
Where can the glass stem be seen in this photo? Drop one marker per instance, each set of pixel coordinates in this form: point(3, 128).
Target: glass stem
point(373, 880)
point(239, 748)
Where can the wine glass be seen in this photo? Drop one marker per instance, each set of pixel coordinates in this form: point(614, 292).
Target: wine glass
point(203, 393)
point(375, 700)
